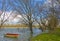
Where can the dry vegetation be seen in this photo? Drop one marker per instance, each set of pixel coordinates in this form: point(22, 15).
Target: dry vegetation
point(17, 25)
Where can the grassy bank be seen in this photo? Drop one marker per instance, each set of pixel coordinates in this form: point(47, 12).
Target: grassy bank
point(14, 25)
point(17, 25)
point(54, 36)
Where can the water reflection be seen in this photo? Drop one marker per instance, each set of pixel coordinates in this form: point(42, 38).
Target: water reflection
point(24, 33)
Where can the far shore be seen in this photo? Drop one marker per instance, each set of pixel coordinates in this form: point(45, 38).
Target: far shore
point(17, 26)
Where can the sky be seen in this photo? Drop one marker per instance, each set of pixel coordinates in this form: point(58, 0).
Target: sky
point(10, 8)
point(17, 4)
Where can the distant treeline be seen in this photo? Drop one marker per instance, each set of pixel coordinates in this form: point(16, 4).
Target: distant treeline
point(17, 25)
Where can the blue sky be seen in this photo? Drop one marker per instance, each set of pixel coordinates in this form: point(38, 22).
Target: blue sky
point(17, 4)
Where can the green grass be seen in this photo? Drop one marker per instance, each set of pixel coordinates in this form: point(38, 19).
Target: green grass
point(54, 36)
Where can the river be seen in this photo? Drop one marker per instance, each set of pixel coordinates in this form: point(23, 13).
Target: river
point(24, 33)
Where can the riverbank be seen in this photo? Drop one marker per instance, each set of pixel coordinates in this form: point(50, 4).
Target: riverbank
point(54, 36)
point(17, 26)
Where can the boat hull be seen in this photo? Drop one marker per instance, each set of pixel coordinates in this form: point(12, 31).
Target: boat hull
point(11, 35)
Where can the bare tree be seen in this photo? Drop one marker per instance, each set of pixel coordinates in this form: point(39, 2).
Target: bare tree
point(26, 11)
point(53, 20)
point(52, 23)
point(41, 16)
point(3, 15)
point(49, 10)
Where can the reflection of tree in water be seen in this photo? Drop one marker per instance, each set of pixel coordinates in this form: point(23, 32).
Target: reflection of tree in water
point(25, 33)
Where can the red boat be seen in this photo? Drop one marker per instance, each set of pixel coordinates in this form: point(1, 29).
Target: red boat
point(11, 35)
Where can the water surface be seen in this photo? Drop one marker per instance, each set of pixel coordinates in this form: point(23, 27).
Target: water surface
point(24, 33)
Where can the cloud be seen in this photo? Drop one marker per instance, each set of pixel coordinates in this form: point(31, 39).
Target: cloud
point(13, 17)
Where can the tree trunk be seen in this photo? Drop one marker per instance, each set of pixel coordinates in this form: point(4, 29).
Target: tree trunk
point(1, 26)
point(40, 27)
point(31, 31)
point(30, 26)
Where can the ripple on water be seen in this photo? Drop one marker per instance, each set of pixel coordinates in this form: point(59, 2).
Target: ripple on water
point(24, 34)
